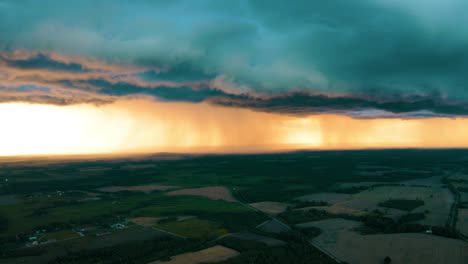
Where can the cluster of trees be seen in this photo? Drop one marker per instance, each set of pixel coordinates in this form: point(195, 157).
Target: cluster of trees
point(402, 204)
point(411, 217)
point(375, 223)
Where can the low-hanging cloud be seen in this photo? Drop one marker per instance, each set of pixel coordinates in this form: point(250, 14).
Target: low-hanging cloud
point(55, 79)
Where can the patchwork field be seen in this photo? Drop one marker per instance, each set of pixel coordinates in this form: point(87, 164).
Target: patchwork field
point(145, 209)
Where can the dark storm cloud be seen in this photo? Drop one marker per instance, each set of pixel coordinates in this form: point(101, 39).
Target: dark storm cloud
point(395, 56)
point(42, 61)
point(182, 93)
point(304, 104)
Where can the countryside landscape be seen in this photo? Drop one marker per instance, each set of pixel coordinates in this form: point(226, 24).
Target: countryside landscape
point(402, 206)
point(233, 132)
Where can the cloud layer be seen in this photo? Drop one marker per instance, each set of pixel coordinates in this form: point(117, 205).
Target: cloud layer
point(364, 58)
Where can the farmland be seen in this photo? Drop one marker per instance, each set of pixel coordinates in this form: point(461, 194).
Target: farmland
point(84, 209)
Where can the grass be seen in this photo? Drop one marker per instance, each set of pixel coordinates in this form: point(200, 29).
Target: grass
point(194, 228)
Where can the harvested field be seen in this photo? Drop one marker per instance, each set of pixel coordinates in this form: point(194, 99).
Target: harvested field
point(273, 208)
point(146, 221)
point(141, 188)
point(213, 192)
point(462, 221)
point(209, 255)
point(264, 239)
point(401, 248)
point(331, 198)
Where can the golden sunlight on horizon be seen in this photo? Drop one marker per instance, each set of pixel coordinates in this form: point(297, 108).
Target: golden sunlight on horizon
point(148, 126)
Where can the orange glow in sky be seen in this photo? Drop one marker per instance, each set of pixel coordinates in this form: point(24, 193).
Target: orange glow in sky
point(145, 126)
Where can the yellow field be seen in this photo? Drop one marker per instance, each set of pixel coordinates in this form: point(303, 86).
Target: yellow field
point(209, 255)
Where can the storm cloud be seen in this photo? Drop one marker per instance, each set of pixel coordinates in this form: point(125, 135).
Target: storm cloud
point(361, 58)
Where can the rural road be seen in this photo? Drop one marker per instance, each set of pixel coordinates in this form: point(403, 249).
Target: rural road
point(452, 221)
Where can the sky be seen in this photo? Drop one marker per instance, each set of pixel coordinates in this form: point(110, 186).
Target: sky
point(231, 75)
